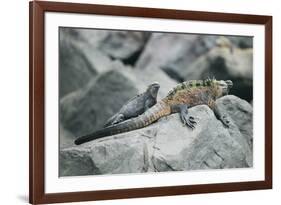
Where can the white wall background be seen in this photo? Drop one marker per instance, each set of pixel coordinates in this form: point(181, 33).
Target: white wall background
point(14, 100)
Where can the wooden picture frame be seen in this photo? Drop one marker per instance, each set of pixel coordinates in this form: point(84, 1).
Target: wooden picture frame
point(37, 10)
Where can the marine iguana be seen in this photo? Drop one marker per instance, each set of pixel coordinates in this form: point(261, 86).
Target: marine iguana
point(185, 95)
point(136, 106)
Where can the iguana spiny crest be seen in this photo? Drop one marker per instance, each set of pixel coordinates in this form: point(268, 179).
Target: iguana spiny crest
point(195, 92)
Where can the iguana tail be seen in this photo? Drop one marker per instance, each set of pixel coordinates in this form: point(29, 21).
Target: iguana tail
point(151, 115)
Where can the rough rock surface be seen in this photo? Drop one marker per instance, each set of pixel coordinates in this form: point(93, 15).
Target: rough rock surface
point(235, 62)
point(79, 62)
point(241, 114)
point(170, 47)
point(123, 45)
point(65, 137)
point(167, 145)
point(178, 52)
point(242, 41)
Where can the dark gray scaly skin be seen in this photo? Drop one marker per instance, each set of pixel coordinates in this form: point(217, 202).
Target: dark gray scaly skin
point(185, 95)
point(136, 106)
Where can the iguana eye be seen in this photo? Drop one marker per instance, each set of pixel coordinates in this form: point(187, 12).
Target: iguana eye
point(229, 83)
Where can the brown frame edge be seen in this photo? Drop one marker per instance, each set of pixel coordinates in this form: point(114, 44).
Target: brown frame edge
point(36, 101)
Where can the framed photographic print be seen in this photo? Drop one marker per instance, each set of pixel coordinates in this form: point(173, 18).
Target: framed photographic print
point(139, 102)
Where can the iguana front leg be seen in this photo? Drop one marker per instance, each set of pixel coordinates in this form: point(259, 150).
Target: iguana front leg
point(146, 105)
point(183, 110)
point(119, 118)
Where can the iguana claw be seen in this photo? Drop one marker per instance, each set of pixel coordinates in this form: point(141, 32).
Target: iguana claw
point(186, 119)
point(189, 122)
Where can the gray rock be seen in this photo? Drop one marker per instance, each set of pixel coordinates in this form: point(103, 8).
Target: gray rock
point(241, 114)
point(176, 54)
point(163, 48)
point(173, 52)
point(75, 69)
point(123, 45)
point(76, 163)
point(123, 158)
point(242, 41)
point(191, 52)
point(168, 145)
point(222, 62)
point(66, 138)
point(79, 61)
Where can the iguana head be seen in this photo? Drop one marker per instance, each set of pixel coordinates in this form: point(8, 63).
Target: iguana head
point(153, 89)
point(221, 87)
